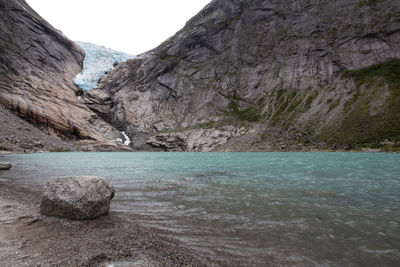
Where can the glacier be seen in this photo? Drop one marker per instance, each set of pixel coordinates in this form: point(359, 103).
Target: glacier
point(98, 61)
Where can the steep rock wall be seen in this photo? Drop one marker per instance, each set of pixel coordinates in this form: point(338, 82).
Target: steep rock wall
point(279, 69)
point(37, 65)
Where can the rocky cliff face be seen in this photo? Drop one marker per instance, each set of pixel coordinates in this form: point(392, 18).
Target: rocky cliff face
point(264, 75)
point(37, 65)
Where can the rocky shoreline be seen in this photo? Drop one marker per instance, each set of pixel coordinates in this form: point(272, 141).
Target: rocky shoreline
point(20, 136)
point(29, 239)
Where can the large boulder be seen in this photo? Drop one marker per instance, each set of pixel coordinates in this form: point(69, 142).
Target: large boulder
point(5, 166)
point(77, 198)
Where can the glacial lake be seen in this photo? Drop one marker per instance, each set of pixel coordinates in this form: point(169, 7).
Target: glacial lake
point(253, 209)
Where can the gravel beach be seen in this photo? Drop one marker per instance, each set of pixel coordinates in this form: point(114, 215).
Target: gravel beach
point(29, 239)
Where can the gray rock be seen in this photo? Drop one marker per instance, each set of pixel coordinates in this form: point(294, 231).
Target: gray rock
point(77, 198)
point(5, 166)
point(203, 140)
point(37, 65)
point(276, 63)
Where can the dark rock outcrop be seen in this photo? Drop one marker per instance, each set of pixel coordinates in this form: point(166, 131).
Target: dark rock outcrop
point(37, 64)
point(319, 73)
point(77, 198)
point(5, 166)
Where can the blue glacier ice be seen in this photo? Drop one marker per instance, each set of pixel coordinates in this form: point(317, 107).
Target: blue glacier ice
point(98, 61)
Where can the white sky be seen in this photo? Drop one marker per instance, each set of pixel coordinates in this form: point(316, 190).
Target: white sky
point(132, 26)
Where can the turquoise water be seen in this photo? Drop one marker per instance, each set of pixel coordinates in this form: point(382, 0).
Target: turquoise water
point(307, 209)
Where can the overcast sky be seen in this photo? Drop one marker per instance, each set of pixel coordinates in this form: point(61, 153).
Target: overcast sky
point(133, 26)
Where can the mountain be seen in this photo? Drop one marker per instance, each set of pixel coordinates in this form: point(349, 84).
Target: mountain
point(242, 75)
point(264, 75)
point(37, 65)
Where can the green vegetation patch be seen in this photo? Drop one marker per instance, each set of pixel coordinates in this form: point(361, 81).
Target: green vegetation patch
point(334, 105)
point(367, 3)
point(358, 126)
point(284, 103)
point(251, 114)
point(389, 70)
point(59, 149)
point(309, 100)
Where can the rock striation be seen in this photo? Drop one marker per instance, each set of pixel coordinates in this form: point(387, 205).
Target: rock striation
point(77, 198)
point(37, 65)
point(319, 73)
point(18, 135)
